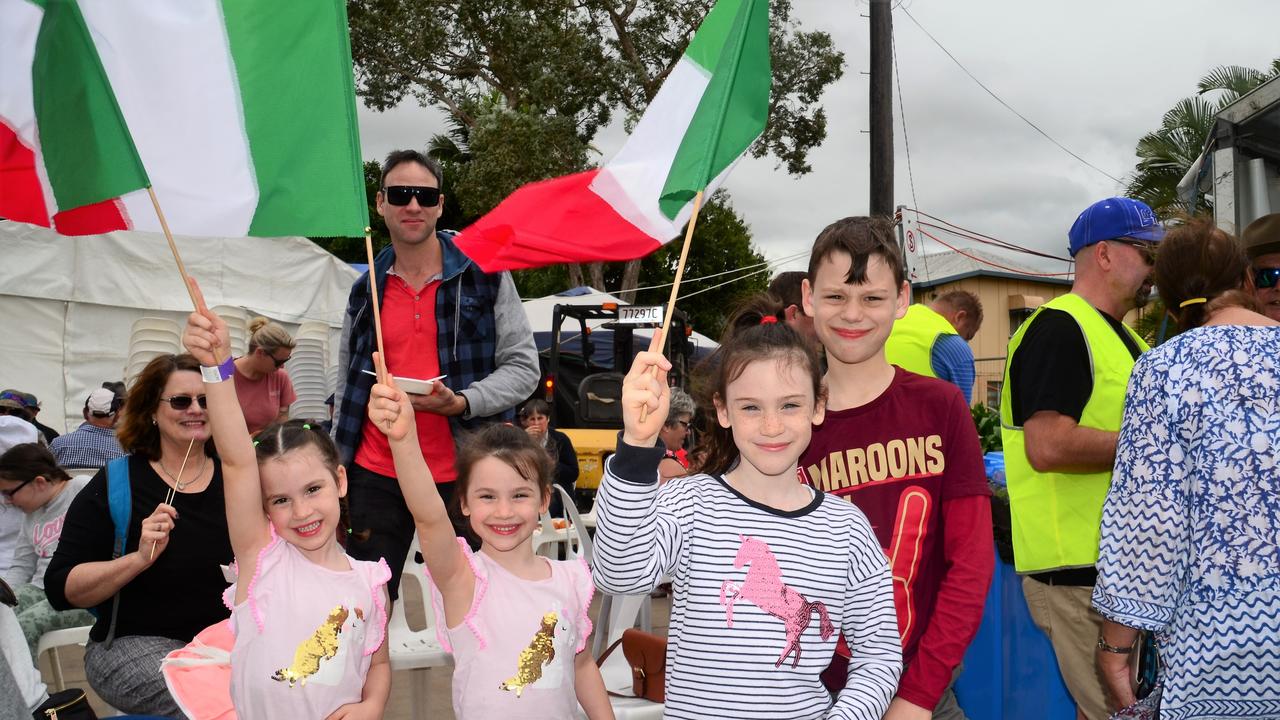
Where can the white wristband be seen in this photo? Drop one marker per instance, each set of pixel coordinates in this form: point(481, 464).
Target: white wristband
point(217, 374)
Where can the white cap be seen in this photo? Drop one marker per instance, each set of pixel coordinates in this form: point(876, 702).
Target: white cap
point(16, 431)
point(100, 401)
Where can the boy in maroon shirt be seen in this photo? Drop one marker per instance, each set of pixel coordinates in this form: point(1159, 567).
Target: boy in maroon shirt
point(904, 449)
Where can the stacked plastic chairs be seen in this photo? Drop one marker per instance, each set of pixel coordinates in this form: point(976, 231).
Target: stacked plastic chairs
point(309, 371)
point(149, 338)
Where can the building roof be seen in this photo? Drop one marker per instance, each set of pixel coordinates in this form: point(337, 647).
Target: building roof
point(938, 268)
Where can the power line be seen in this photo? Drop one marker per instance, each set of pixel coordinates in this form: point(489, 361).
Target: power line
point(976, 236)
point(1005, 104)
point(983, 261)
point(766, 265)
point(906, 142)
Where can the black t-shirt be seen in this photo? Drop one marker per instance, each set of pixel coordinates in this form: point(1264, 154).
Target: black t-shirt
point(181, 593)
point(1052, 370)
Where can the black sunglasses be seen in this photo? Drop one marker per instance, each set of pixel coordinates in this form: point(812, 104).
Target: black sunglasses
point(1264, 278)
point(8, 494)
point(1146, 249)
point(402, 194)
point(182, 402)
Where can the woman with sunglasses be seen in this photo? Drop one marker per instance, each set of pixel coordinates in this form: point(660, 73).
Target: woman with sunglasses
point(1188, 546)
point(262, 384)
point(169, 578)
point(675, 463)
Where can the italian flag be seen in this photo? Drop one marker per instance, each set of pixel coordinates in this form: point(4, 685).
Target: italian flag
point(710, 110)
point(240, 114)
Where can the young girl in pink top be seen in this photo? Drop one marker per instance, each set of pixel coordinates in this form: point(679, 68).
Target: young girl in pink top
point(309, 621)
point(515, 622)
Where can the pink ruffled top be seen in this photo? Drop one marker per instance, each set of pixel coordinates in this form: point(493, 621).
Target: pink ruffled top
point(304, 635)
point(514, 651)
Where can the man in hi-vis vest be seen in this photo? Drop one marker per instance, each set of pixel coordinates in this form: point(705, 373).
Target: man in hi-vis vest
point(933, 340)
point(1060, 409)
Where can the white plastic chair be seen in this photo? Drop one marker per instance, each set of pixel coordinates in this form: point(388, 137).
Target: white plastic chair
point(617, 613)
point(547, 538)
point(410, 649)
point(54, 639)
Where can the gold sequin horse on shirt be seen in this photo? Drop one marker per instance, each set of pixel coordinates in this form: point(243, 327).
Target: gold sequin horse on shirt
point(322, 645)
point(540, 653)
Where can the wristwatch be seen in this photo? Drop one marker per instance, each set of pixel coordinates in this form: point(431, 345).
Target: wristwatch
point(218, 374)
point(466, 405)
point(1103, 646)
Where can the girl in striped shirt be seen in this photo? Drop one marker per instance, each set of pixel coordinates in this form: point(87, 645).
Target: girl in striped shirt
point(766, 571)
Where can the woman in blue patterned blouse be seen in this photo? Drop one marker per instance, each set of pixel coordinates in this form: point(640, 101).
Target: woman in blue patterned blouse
point(1190, 543)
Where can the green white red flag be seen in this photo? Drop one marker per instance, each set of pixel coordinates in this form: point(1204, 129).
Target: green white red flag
point(239, 113)
point(712, 107)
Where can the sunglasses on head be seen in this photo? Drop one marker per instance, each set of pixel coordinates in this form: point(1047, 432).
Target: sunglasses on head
point(402, 194)
point(182, 402)
point(1264, 278)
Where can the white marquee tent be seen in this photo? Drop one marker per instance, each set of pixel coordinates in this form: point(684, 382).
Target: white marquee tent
point(68, 304)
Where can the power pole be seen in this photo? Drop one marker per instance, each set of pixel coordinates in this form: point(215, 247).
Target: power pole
point(881, 107)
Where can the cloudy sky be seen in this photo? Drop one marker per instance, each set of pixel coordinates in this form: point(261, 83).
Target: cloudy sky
point(1094, 74)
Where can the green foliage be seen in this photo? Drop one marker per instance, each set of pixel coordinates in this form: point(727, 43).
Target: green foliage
point(1166, 154)
point(573, 61)
point(539, 56)
point(721, 243)
point(1152, 321)
point(988, 423)
point(501, 160)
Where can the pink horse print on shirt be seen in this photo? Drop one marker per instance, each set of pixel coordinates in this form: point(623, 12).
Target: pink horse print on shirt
point(764, 588)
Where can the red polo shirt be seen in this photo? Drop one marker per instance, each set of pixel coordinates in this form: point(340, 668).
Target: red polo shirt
point(409, 335)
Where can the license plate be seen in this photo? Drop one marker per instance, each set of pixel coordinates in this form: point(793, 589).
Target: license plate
point(640, 315)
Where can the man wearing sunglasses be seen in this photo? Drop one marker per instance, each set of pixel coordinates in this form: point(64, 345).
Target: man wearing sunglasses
point(1262, 242)
point(1060, 409)
point(441, 315)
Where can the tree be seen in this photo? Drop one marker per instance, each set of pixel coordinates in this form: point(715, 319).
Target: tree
point(722, 244)
point(1165, 155)
point(533, 81)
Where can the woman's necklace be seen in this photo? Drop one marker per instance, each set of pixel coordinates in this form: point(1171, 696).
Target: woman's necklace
point(179, 484)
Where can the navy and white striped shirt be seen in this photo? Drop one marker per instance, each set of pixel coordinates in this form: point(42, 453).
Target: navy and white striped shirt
point(760, 594)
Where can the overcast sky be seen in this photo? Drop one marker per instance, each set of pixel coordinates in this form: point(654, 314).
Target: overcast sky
point(1094, 74)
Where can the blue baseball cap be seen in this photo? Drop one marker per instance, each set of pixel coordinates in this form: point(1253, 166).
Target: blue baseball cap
point(1112, 219)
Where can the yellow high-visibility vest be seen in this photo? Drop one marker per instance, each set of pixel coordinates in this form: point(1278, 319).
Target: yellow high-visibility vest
point(910, 344)
point(1057, 515)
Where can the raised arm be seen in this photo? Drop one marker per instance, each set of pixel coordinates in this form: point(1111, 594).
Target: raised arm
point(207, 340)
point(636, 543)
point(390, 412)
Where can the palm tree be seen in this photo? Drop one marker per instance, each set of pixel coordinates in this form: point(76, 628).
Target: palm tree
point(1165, 155)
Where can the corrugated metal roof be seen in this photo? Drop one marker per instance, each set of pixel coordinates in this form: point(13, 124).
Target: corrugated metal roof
point(949, 266)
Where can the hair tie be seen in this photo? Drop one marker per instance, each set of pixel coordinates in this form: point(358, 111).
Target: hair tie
point(768, 319)
point(255, 443)
point(306, 426)
point(1191, 301)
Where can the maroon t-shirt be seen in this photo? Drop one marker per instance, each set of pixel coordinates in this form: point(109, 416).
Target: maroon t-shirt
point(898, 458)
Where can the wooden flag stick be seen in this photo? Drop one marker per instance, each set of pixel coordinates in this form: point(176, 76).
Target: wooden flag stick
point(168, 498)
point(373, 293)
point(173, 247)
point(675, 286)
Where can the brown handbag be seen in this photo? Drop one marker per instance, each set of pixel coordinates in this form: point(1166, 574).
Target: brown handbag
point(646, 654)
